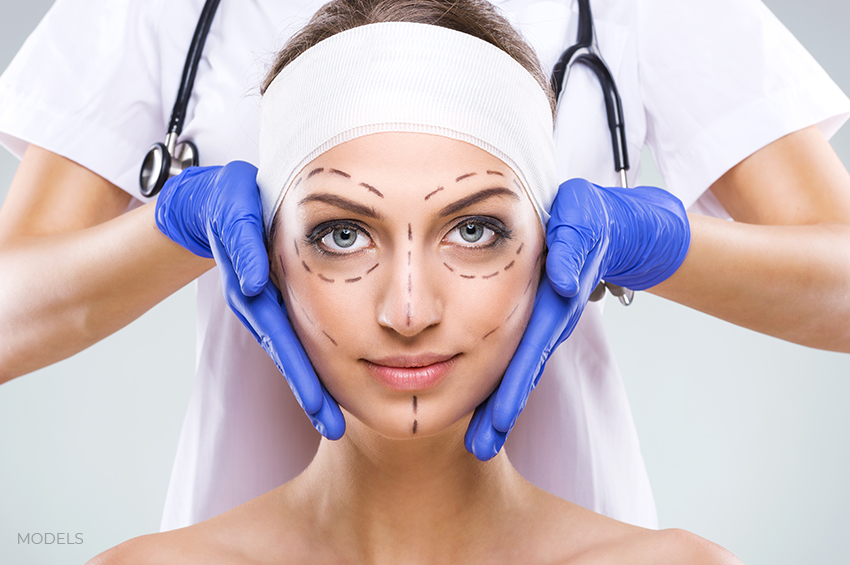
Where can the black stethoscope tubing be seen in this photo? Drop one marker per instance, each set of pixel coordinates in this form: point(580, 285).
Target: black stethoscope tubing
point(165, 160)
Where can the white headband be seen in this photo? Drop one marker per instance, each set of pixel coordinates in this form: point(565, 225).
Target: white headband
point(405, 77)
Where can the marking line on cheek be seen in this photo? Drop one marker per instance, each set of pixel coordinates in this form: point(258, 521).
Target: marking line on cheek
point(466, 176)
point(297, 251)
point(355, 279)
point(340, 173)
point(509, 265)
point(520, 248)
point(415, 425)
point(373, 268)
point(280, 260)
point(430, 194)
point(372, 189)
point(449, 268)
point(512, 313)
point(468, 276)
point(490, 332)
point(315, 172)
point(495, 173)
point(306, 267)
point(324, 278)
point(333, 341)
point(528, 285)
point(415, 405)
point(490, 276)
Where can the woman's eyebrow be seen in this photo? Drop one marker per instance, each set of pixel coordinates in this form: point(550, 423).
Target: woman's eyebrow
point(343, 203)
point(477, 197)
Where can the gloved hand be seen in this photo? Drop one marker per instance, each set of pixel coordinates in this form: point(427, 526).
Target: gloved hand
point(216, 212)
point(632, 237)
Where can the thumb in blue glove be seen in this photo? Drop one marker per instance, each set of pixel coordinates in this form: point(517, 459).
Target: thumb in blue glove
point(216, 212)
point(635, 238)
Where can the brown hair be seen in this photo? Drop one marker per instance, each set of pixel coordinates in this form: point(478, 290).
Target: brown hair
point(478, 18)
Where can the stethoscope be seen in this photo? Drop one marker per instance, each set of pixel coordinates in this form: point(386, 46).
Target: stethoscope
point(586, 51)
point(168, 159)
point(165, 160)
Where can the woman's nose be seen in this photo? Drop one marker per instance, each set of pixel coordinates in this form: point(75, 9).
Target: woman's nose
point(410, 302)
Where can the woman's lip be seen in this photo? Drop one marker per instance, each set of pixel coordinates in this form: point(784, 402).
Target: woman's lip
point(411, 373)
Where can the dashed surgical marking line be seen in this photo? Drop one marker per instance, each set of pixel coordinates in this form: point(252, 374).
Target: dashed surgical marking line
point(409, 234)
point(333, 341)
point(297, 182)
point(408, 313)
point(408, 258)
point(517, 184)
point(495, 173)
point(409, 284)
point(509, 265)
point(415, 405)
point(528, 285)
point(490, 276)
point(280, 261)
point(324, 278)
point(466, 176)
point(490, 332)
point(306, 266)
point(372, 189)
point(520, 247)
point(512, 313)
point(340, 173)
point(355, 279)
point(449, 268)
point(415, 425)
point(373, 268)
point(297, 251)
point(306, 315)
point(468, 276)
point(430, 194)
point(315, 172)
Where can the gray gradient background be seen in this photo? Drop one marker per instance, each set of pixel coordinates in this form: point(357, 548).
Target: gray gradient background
point(746, 438)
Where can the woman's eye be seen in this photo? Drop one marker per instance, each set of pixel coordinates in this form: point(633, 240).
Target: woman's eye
point(472, 232)
point(345, 239)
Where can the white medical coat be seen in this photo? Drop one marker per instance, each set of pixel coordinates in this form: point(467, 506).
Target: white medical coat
point(704, 84)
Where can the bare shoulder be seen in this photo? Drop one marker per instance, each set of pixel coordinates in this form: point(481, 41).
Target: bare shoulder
point(676, 546)
point(151, 549)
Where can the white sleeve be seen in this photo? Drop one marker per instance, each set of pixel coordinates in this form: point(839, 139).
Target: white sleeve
point(86, 85)
point(721, 79)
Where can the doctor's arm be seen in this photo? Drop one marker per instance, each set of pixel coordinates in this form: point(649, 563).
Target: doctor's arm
point(76, 268)
point(783, 267)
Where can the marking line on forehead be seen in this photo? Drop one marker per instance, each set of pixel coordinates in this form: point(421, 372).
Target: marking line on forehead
point(343, 203)
point(340, 173)
point(477, 197)
point(501, 174)
point(297, 251)
point(371, 189)
point(430, 194)
point(466, 176)
point(315, 172)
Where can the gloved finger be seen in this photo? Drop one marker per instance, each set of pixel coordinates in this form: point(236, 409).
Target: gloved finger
point(268, 321)
point(329, 420)
point(244, 243)
point(568, 250)
point(486, 440)
point(473, 425)
point(549, 319)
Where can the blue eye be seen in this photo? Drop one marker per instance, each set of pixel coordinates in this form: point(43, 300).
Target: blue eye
point(475, 232)
point(344, 239)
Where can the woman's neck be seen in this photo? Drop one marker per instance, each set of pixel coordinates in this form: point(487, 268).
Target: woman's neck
point(411, 501)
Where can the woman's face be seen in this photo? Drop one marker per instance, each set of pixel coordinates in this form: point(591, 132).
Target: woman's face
point(408, 264)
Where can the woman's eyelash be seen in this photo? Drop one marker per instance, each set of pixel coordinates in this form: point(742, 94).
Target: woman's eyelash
point(500, 229)
point(315, 236)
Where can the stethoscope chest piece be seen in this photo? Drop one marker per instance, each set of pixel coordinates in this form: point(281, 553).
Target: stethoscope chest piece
point(165, 160)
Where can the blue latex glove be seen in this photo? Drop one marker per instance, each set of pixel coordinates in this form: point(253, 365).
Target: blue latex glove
point(632, 237)
point(216, 212)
